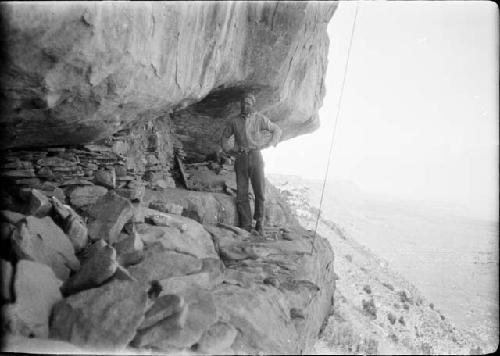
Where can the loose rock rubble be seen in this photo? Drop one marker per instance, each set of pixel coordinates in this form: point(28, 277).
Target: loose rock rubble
point(112, 272)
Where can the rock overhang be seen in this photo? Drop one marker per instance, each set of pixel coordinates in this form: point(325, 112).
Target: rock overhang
point(74, 73)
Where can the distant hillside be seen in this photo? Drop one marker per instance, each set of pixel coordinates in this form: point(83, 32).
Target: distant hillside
point(371, 238)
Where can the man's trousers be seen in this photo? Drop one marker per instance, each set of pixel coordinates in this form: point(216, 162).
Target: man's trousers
point(249, 165)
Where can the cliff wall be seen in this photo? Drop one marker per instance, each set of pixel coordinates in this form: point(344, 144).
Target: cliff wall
point(112, 208)
point(73, 73)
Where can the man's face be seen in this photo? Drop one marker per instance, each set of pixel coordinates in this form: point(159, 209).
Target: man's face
point(246, 103)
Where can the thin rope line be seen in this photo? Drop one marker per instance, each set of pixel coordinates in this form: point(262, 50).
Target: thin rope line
point(346, 67)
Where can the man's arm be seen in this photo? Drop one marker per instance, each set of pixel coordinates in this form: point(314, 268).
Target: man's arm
point(274, 129)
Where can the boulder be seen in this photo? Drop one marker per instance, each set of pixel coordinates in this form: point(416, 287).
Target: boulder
point(203, 207)
point(178, 233)
point(38, 203)
point(225, 235)
point(137, 213)
point(129, 250)
point(165, 207)
point(163, 220)
point(106, 178)
point(179, 284)
point(122, 274)
point(36, 289)
point(134, 194)
point(161, 183)
point(160, 264)
point(164, 307)
point(55, 161)
point(215, 269)
point(41, 240)
point(76, 181)
point(202, 178)
point(148, 233)
point(86, 195)
point(238, 278)
point(107, 217)
point(250, 310)
point(55, 192)
point(104, 318)
point(99, 266)
point(169, 333)
point(10, 216)
point(150, 335)
point(217, 338)
point(77, 231)
point(71, 223)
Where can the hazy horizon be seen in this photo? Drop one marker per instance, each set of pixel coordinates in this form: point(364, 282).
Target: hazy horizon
point(419, 118)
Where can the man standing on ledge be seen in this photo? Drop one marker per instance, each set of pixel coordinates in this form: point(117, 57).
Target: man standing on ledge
point(249, 130)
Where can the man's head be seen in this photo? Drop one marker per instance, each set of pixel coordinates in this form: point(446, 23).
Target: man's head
point(247, 102)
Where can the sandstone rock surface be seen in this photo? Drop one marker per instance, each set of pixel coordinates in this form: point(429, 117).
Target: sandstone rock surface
point(217, 338)
point(99, 266)
point(80, 59)
point(179, 284)
point(39, 204)
point(160, 264)
point(85, 195)
point(203, 207)
point(108, 216)
point(170, 333)
point(162, 308)
point(43, 241)
point(10, 216)
point(302, 281)
point(71, 223)
point(36, 290)
point(180, 234)
point(104, 318)
point(129, 250)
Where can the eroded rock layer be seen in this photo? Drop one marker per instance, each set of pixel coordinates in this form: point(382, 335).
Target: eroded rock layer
point(193, 286)
point(73, 73)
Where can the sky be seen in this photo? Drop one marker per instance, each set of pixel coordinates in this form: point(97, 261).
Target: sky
point(419, 114)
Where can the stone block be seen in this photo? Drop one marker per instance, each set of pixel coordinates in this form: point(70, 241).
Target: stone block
point(36, 290)
point(162, 308)
point(38, 203)
point(99, 266)
point(86, 195)
point(108, 216)
point(43, 241)
point(106, 178)
point(104, 318)
point(217, 338)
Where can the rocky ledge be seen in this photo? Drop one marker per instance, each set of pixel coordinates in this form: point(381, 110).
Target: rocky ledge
point(128, 276)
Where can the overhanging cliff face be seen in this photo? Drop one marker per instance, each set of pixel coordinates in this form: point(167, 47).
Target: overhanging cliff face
point(74, 73)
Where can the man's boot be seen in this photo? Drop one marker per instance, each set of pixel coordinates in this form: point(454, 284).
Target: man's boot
point(259, 227)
